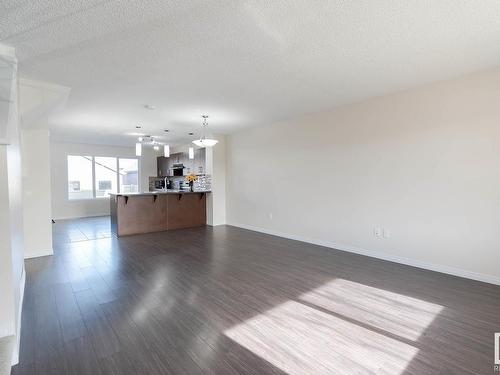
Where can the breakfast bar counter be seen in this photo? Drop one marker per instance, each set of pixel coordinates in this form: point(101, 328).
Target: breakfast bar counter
point(156, 211)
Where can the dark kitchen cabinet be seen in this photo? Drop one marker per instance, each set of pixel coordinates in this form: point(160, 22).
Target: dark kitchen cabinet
point(197, 165)
point(163, 166)
point(176, 158)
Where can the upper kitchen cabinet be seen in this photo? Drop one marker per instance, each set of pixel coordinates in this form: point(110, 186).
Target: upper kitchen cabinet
point(196, 165)
point(199, 161)
point(176, 158)
point(164, 166)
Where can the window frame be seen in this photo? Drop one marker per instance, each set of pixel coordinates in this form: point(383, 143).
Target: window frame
point(117, 175)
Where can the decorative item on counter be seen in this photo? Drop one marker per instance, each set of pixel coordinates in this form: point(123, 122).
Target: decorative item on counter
point(191, 178)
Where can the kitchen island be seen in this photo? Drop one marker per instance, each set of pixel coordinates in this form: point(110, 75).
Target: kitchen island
point(156, 211)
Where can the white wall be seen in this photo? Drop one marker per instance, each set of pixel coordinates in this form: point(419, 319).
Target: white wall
point(424, 164)
point(36, 193)
point(11, 224)
point(147, 166)
point(62, 208)
point(6, 275)
point(216, 167)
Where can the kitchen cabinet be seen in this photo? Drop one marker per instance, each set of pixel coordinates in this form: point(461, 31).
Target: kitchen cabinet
point(163, 167)
point(156, 212)
point(184, 160)
point(197, 165)
point(176, 158)
point(199, 161)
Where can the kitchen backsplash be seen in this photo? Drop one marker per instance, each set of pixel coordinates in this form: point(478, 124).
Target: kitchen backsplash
point(204, 182)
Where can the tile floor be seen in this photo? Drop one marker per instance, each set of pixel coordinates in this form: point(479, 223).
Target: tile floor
point(83, 229)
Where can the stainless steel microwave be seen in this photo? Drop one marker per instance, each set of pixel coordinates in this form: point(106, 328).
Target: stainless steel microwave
point(178, 170)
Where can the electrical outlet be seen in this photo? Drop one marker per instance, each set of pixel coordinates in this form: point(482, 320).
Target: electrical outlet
point(377, 232)
point(386, 233)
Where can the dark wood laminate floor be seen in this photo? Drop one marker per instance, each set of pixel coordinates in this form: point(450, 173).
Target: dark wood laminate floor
point(229, 301)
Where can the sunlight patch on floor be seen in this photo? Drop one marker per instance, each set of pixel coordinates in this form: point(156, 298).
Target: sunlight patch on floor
point(299, 339)
point(398, 314)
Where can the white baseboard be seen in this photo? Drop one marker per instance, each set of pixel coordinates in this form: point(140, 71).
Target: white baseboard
point(491, 279)
point(15, 353)
point(41, 253)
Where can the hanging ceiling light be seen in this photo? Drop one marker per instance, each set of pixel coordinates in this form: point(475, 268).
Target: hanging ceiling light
point(145, 140)
point(204, 141)
point(166, 147)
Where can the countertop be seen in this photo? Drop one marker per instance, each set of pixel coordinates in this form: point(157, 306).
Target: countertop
point(158, 192)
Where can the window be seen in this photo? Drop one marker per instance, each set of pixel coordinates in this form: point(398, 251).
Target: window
point(80, 177)
point(128, 175)
point(95, 176)
point(105, 176)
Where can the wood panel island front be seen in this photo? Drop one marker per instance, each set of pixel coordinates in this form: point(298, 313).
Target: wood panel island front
point(137, 213)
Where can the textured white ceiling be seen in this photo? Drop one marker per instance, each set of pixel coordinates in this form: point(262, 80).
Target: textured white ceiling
point(245, 63)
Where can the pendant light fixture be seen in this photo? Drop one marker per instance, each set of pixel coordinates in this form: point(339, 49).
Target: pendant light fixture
point(145, 140)
point(148, 140)
point(166, 147)
point(204, 141)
